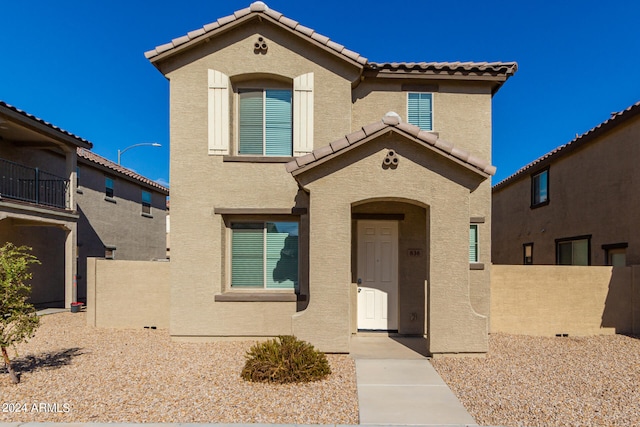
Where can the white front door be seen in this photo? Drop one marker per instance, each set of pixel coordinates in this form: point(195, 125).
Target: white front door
point(378, 275)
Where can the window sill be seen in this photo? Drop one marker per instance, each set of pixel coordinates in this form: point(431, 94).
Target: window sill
point(146, 215)
point(476, 266)
point(257, 159)
point(539, 205)
point(256, 297)
point(110, 199)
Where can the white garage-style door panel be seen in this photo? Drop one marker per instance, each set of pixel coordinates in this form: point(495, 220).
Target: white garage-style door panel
point(378, 275)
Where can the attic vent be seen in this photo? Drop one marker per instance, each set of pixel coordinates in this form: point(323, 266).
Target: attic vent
point(260, 46)
point(391, 160)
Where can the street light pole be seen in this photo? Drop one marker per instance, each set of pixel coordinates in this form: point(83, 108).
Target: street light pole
point(150, 144)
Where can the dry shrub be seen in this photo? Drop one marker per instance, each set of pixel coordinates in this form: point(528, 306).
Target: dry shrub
point(285, 359)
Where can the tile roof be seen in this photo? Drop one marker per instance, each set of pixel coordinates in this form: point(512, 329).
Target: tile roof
point(258, 7)
point(505, 69)
point(499, 68)
point(390, 121)
point(97, 159)
point(82, 141)
point(616, 119)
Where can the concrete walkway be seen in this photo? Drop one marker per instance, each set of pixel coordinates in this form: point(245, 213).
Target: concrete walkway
point(398, 386)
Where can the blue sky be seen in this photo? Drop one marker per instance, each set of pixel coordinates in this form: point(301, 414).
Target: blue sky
point(80, 64)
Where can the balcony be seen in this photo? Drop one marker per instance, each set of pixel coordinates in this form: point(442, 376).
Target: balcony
point(32, 185)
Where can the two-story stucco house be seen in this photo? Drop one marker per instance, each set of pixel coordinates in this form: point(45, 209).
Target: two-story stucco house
point(575, 205)
point(68, 203)
point(319, 194)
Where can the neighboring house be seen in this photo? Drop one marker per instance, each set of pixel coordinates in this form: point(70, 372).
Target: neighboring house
point(575, 205)
point(122, 214)
point(54, 197)
point(281, 224)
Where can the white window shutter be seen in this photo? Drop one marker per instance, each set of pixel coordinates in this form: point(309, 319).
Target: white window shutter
point(303, 114)
point(218, 114)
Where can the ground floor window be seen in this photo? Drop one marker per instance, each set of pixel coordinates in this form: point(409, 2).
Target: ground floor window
point(264, 255)
point(573, 251)
point(527, 249)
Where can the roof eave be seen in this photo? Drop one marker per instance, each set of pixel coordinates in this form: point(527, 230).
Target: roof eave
point(144, 182)
point(37, 125)
point(566, 149)
point(203, 38)
point(387, 129)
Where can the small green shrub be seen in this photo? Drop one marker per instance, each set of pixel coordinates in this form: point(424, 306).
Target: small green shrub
point(285, 360)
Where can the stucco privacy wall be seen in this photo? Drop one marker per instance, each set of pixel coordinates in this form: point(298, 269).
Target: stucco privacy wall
point(550, 300)
point(127, 294)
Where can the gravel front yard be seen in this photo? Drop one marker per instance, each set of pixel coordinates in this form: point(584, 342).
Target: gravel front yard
point(534, 381)
point(74, 373)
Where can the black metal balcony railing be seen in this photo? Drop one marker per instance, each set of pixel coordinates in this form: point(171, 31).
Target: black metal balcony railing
point(32, 185)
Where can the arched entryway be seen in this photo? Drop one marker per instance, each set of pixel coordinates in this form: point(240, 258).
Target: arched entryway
point(390, 265)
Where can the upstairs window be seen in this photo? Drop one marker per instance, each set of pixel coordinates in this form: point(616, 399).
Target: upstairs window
point(420, 110)
point(108, 187)
point(473, 243)
point(264, 255)
point(573, 251)
point(265, 122)
point(540, 188)
point(146, 202)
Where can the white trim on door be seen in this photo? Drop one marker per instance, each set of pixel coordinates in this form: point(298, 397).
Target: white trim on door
point(377, 273)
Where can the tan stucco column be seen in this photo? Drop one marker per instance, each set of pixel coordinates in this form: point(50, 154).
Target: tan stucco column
point(70, 264)
point(71, 158)
point(325, 322)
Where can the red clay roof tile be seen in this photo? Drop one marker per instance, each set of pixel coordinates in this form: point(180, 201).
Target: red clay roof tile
point(339, 144)
point(390, 120)
point(260, 7)
point(505, 69)
point(97, 159)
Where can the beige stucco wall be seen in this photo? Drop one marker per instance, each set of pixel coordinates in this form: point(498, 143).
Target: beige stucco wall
point(233, 54)
point(550, 300)
point(422, 178)
point(198, 233)
point(202, 183)
point(462, 116)
point(127, 294)
point(461, 111)
point(591, 192)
